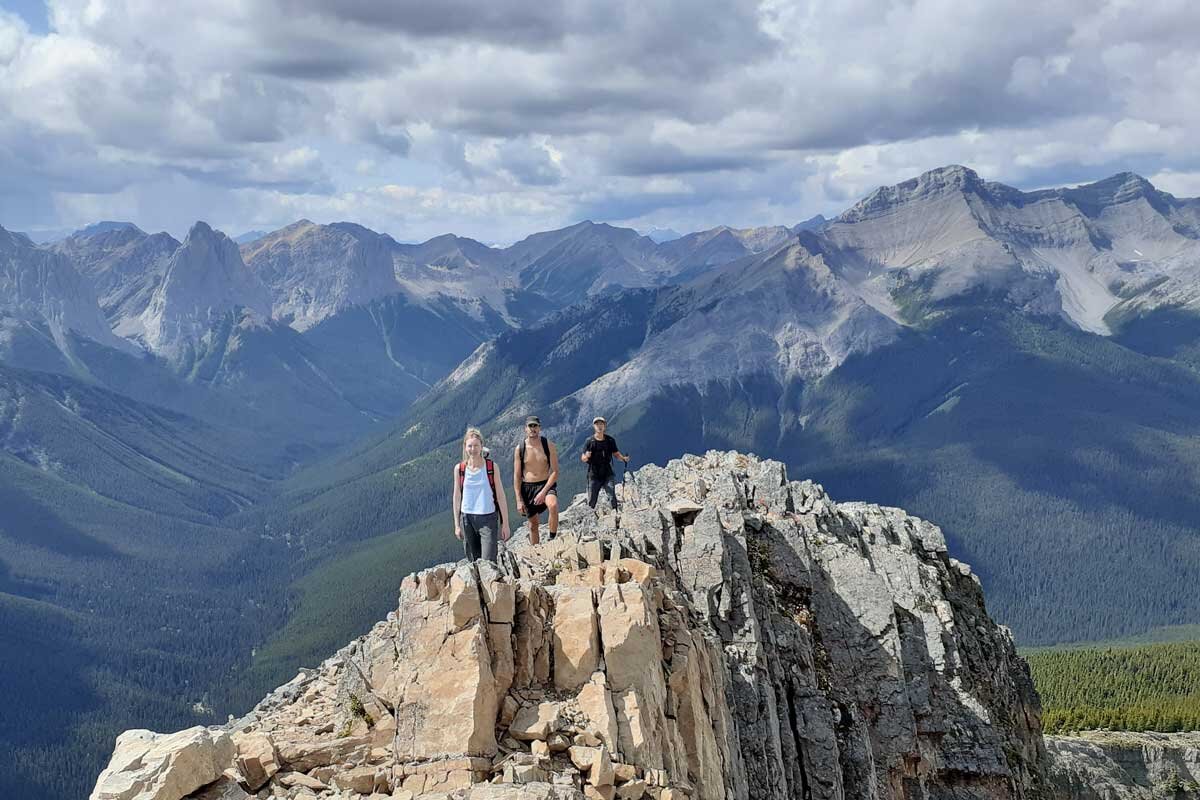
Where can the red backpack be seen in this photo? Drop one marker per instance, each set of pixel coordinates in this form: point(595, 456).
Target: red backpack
point(491, 473)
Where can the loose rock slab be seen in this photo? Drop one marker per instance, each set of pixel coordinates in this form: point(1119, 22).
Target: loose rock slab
point(156, 766)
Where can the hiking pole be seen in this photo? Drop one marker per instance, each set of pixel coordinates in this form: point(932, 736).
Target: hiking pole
point(624, 472)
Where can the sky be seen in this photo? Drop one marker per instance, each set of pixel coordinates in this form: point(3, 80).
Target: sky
point(498, 119)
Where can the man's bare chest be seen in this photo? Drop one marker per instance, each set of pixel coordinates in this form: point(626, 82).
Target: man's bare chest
point(537, 466)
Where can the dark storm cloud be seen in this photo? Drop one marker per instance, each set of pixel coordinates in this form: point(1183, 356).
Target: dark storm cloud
point(316, 66)
point(537, 24)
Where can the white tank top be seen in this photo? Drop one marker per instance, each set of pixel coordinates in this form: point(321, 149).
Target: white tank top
point(476, 492)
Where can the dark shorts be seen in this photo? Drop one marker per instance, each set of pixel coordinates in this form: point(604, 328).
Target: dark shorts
point(530, 491)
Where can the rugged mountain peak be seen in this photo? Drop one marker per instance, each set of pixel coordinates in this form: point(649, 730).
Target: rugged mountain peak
point(813, 223)
point(535, 245)
point(249, 237)
point(1093, 198)
point(783, 313)
point(102, 238)
point(1093, 254)
point(755, 240)
point(107, 226)
point(585, 259)
point(450, 250)
point(124, 267)
point(314, 271)
point(661, 235)
point(953, 179)
point(204, 280)
point(42, 287)
point(732, 634)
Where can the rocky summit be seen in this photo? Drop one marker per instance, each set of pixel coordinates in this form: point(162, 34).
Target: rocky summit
point(728, 634)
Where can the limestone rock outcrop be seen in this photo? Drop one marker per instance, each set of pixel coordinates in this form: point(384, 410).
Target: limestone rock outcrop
point(730, 634)
point(1117, 765)
point(154, 766)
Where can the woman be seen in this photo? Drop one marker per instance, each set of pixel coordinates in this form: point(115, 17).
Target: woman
point(478, 500)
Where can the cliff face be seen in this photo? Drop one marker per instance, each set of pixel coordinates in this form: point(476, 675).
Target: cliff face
point(1116, 765)
point(732, 635)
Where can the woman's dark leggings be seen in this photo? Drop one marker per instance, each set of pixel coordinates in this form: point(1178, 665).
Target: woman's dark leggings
point(609, 485)
point(481, 535)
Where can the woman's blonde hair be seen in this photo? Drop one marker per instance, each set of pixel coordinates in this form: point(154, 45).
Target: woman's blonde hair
point(471, 432)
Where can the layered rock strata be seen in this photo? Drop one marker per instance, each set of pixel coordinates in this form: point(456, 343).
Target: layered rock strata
point(730, 634)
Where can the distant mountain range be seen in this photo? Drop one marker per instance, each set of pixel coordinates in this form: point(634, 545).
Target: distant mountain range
point(1021, 367)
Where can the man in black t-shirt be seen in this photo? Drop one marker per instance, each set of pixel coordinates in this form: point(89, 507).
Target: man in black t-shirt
point(598, 455)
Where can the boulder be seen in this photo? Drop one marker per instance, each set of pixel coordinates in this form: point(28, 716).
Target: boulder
point(535, 722)
point(358, 779)
point(576, 637)
point(305, 755)
point(155, 766)
point(595, 762)
point(256, 759)
point(595, 703)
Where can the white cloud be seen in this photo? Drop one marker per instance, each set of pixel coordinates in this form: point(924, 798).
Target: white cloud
point(1180, 184)
point(504, 118)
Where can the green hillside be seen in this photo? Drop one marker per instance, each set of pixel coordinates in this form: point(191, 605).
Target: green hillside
point(124, 596)
point(1137, 688)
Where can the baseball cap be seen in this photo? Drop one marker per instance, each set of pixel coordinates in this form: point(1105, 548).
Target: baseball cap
point(599, 419)
point(532, 420)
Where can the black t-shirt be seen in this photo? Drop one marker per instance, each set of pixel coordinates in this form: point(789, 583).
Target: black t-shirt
point(600, 462)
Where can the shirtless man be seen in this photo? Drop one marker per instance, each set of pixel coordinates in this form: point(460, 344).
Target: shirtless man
point(535, 478)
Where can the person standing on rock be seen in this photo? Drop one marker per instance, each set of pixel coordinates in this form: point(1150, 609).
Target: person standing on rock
point(535, 478)
point(480, 508)
point(598, 454)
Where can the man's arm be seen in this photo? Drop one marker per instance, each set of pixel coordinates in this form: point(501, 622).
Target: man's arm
point(501, 503)
point(517, 476)
point(551, 478)
point(617, 452)
point(456, 493)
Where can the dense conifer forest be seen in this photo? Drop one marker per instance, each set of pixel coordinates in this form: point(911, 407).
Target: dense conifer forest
point(1152, 687)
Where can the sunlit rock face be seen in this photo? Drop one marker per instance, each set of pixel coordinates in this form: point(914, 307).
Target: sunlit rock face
point(730, 634)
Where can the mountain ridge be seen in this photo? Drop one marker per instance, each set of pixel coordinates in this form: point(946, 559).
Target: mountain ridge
point(731, 634)
point(1066, 251)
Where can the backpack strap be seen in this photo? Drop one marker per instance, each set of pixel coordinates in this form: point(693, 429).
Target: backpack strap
point(462, 472)
point(546, 449)
point(491, 472)
point(522, 449)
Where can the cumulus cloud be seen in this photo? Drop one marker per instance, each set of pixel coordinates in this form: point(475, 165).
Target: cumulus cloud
point(502, 118)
